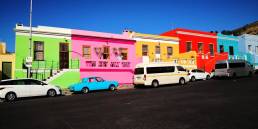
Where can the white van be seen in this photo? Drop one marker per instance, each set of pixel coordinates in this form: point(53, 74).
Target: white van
point(155, 74)
point(233, 68)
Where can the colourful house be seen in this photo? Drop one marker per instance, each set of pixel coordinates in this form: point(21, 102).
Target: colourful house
point(156, 48)
point(248, 46)
point(111, 56)
point(51, 53)
point(203, 43)
point(7, 63)
point(229, 44)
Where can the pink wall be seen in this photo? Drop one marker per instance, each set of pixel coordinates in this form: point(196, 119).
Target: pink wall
point(112, 68)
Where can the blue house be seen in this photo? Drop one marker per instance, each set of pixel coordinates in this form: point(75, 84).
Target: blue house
point(248, 45)
point(229, 44)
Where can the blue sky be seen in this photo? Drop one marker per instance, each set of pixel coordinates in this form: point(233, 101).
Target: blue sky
point(146, 16)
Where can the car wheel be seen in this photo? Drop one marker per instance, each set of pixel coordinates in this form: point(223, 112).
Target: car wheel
point(250, 74)
point(11, 96)
point(155, 84)
point(193, 79)
point(112, 87)
point(51, 93)
point(85, 90)
point(181, 81)
point(208, 77)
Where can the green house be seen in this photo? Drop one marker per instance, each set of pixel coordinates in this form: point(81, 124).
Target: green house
point(51, 53)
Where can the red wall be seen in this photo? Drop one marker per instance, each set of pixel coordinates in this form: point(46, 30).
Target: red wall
point(207, 63)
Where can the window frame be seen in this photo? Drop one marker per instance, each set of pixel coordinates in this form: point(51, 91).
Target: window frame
point(143, 52)
point(187, 44)
point(84, 55)
point(35, 50)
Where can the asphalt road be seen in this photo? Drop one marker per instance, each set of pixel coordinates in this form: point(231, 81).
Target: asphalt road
point(212, 104)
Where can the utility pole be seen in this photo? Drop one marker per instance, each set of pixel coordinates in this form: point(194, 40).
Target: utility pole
point(30, 54)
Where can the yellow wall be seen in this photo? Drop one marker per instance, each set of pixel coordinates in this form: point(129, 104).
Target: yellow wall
point(4, 57)
point(163, 50)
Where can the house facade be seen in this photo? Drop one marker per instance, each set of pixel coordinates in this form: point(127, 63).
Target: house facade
point(156, 48)
point(248, 44)
point(51, 54)
point(229, 44)
point(203, 43)
point(111, 56)
point(7, 63)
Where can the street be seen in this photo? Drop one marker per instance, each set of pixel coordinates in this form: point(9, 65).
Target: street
point(212, 104)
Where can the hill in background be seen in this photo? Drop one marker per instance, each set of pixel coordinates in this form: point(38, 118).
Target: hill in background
point(251, 28)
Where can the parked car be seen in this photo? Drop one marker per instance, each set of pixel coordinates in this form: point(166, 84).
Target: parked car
point(12, 89)
point(93, 83)
point(233, 68)
point(155, 74)
point(197, 74)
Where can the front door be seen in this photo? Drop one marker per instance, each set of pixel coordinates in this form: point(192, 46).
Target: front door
point(64, 56)
point(6, 70)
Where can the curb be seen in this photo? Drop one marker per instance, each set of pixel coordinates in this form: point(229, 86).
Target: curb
point(67, 92)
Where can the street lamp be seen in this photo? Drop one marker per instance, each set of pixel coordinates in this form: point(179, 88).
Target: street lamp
point(29, 58)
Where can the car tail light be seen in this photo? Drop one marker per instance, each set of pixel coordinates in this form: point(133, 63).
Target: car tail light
point(144, 77)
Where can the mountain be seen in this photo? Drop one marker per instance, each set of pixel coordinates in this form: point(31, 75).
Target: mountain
point(251, 28)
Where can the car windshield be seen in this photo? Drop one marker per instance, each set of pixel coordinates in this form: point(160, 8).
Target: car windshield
point(139, 71)
point(180, 68)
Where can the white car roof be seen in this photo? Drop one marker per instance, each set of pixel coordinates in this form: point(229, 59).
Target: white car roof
point(156, 64)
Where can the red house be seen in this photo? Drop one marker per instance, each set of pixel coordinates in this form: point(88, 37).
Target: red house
point(204, 43)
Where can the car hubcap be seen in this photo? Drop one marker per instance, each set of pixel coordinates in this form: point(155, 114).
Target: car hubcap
point(182, 81)
point(85, 90)
point(11, 97)
point(51, 93)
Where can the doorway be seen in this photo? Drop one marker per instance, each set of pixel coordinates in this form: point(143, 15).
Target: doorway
point(64, 56)
point(6, 70)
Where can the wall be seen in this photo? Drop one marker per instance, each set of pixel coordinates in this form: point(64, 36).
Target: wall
point(115, 70)
point(244, 41)
point(205, 60)
point(227, 41)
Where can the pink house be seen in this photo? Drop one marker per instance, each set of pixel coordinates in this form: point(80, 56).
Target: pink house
point(111, 56)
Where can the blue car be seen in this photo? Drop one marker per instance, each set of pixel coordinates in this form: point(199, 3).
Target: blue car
point(93, 83)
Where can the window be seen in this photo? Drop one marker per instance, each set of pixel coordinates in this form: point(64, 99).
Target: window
point(180, 68)
point(165, 69)
point(139, 71)
point(221, 66)
point(124, 53)
point(250, 48)
point(221, 48)
point(200, 47)
point(231, 50)
point(144, 50)
point(106, 52)
point(211, 49)
point(86, 52)
point(34, 82)
point(157, 50)
point(236, 65)
point(169, 51)
point(99, 79)
point(38, 50)
point(199, 71)
point(256, 50)
point(188, 46)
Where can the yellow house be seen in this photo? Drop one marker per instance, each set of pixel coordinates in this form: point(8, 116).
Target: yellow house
point(156, 48)
point(7, 63)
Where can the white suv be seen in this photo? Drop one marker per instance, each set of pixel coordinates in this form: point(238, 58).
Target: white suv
point(16, 88)
point(197, 74)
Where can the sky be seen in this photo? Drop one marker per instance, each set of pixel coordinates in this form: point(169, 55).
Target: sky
point(113, 16)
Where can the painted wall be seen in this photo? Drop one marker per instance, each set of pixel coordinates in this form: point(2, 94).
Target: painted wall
point(5, 57)
point(115, 69)
point(251, 56)
point(205, 60)
point(228, 41)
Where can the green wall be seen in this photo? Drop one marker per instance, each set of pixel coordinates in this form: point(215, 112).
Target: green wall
point(51, 53)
